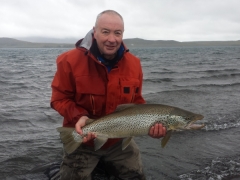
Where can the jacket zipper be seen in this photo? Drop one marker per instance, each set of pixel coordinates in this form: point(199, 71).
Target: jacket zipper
point(93, 104)
point(133, 95)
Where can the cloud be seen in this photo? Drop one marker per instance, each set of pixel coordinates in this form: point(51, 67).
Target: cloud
point(185, 20)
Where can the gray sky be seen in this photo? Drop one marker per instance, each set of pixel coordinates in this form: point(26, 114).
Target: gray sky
point(180, 20)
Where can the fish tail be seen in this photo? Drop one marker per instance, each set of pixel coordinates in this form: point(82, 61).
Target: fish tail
point(67, 138)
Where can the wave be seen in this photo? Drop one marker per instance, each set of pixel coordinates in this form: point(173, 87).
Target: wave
point(188, 91)
point(159, 80)
point(223, 121)
point(215, 73)
point(196, 81)
point(201, 74)
point(222, 85)
point(220, 78)
point(162, 72)
point(218, 53)
point(196, 70)
point(217, 127)
point(173, 93)
point(220, 168)
point(220, 70)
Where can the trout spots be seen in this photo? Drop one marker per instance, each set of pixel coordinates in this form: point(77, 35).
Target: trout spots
point(175, 122)
point(77, 137)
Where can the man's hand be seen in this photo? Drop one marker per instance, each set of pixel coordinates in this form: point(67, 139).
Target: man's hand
point(78, 127)
point(157, 131)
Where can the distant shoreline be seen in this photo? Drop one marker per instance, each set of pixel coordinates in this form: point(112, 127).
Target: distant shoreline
point(130, 43)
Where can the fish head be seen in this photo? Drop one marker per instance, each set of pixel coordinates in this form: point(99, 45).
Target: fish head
point(191, 123)
point(183, 120)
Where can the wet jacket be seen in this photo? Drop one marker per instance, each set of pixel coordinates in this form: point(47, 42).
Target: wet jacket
point(83, 85)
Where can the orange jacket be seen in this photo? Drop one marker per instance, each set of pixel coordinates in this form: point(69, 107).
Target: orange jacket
point(83, 86)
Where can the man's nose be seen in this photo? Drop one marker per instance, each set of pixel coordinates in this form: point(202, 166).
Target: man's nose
point(111, 37)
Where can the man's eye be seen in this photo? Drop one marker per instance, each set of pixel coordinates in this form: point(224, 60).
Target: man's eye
point(105, 32)
point(118, 33)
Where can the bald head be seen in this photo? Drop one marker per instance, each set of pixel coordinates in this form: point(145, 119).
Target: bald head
point(108, 12)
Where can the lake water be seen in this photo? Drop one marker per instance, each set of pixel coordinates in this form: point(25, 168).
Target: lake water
point(204, 80)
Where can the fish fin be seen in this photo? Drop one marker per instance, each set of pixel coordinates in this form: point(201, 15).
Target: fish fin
point(124, 106)
point(99, 141)
point(126, 142)
point(89, 121)
point(67, 138)
point(166, 138)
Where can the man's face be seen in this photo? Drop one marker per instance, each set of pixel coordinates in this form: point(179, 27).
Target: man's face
point(108, 33)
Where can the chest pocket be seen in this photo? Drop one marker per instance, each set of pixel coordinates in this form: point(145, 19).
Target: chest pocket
point(129, 88)
point(90, 94)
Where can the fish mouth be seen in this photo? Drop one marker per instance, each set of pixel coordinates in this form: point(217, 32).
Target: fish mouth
point(193, 125)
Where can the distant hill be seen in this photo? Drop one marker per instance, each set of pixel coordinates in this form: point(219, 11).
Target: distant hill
point(211, 43)
point(137, 42)
point(14, 43)
point(131, 43)
point(171, 43)
point(38, 39)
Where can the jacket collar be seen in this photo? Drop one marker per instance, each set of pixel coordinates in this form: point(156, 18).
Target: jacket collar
point(87, 40)
point(108, 63)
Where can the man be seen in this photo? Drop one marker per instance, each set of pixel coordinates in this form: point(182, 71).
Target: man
point(90, 82)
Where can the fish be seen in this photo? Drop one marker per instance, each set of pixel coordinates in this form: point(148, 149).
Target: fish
point(130, 120)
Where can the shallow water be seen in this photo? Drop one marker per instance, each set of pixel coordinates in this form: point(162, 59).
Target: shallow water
point(202, 80)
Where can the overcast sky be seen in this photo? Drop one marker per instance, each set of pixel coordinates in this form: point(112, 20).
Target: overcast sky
point(180, 20)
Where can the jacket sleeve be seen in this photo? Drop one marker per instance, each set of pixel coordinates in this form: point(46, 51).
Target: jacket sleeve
point(63, 92)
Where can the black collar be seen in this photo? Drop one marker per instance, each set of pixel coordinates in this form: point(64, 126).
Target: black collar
point(95, 51)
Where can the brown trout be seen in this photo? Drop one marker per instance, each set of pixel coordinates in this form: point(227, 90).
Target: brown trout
point(131, 120)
